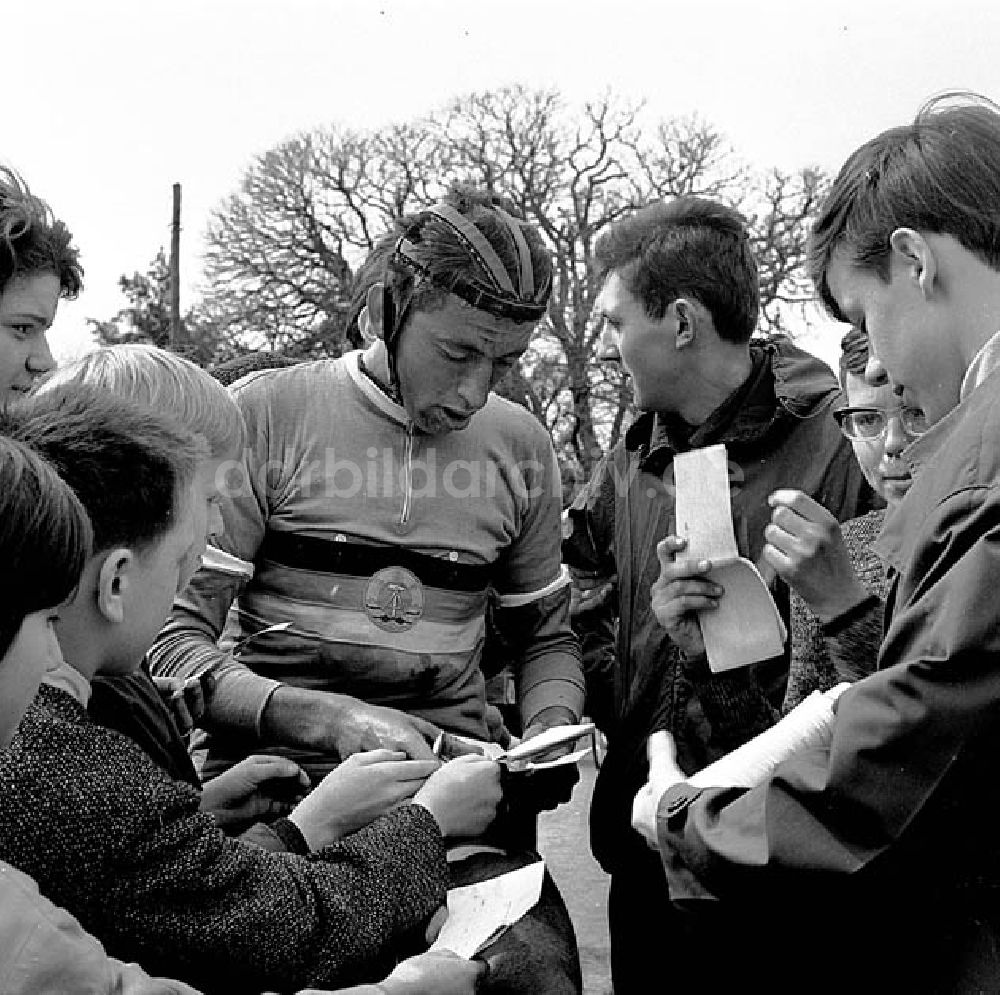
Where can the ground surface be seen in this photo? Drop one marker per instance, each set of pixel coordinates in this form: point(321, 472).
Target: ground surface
point(564, 843)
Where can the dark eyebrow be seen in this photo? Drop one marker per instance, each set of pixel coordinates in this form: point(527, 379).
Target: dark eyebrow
point(24, 316)
point(460, 346)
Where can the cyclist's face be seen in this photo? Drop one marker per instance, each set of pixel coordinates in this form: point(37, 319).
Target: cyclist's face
point(448, 359)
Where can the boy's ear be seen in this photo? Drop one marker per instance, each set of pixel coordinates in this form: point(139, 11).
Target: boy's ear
point(914, 254)
point(685, 317)
point(112, 583)
point(373, 308)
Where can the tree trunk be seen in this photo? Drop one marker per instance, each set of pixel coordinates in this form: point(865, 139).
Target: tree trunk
point(586, 448)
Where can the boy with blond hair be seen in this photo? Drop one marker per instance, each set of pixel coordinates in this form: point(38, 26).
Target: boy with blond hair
point(260, 787)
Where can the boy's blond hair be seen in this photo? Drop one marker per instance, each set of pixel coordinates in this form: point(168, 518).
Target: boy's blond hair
point(171, 384)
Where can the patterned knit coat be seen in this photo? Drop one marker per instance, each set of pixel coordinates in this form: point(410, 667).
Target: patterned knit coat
point(111, 838)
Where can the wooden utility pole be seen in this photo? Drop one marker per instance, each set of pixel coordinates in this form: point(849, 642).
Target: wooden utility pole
point(176, 331)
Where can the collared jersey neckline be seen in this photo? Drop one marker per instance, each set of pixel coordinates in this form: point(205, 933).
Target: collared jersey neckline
point(67, 678)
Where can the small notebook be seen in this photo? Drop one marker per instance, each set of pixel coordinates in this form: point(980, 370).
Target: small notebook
point(746, 626)
point(809, 724)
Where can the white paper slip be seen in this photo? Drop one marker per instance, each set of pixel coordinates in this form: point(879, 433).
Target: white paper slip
point(523, 756)
point(480, 913)
point(222, 562)
point(746, 626)
point(545, 741)
point(808, 724)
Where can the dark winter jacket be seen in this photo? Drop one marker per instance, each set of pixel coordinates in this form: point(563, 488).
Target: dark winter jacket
point(778, 432)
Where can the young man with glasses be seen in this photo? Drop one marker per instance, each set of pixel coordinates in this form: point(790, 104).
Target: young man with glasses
point(838, 583)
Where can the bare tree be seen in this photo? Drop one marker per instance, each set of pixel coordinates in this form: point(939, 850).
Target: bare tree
point(281, 250)
point(147, 317)
point(786, 204)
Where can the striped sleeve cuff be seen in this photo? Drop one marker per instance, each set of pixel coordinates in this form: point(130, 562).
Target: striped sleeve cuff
point(240, 697)
point(526, 598)
point(562, 685)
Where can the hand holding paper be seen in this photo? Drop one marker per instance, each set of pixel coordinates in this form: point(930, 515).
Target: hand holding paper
point(439, 971)
point(745, 626)
point(662, 753)
point(680, 593)
point(462, 795)
point(528, 754)
point(548, 719)
point(808, 725)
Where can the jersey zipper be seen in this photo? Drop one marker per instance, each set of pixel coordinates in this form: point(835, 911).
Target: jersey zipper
point(407, 510)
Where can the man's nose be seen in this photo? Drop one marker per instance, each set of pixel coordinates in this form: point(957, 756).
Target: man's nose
point(875, 372)
point(608, 350)
point(40, 359)
point(475, 386)
point(896, 439)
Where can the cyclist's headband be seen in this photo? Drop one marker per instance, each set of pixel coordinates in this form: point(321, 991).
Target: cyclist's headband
point(501, 300)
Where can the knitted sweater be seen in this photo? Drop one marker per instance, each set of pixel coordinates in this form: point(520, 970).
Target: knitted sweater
point(111, 838)
point(821, 659)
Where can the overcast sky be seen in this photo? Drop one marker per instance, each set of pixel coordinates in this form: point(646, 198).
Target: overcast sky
point(108, 103)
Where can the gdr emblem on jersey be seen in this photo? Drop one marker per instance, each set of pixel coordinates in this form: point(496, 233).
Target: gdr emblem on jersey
point(394, 599)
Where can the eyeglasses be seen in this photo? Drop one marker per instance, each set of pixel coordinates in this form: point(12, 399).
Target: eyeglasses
point(866, 424)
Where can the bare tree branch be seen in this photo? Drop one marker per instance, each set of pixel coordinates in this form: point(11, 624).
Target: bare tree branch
point(280, 251)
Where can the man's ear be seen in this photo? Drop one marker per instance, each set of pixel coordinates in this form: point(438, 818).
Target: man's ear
point(913, 252)
point(373, 308)
point(112, 583)
point(685, 316)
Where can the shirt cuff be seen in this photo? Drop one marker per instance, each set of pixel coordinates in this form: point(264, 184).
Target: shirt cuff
point(840, 622)
point(239, 699)
point(562, 685)
point(291, 836)
point(562, 580)
point(675, 800)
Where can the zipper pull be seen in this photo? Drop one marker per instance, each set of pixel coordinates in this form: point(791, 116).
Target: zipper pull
point(405, 524)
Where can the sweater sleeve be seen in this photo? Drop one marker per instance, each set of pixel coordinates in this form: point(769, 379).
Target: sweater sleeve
point(187, 642)
point(124, 848)
point(853, 647)
point(533, 592)
point(733, 701)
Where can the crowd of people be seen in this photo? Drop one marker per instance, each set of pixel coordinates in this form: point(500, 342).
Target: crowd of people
point(239, 620)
